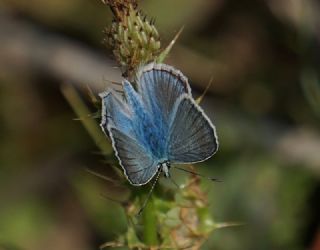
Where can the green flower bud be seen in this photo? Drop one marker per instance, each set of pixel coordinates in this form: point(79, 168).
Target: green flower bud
point(134, 39)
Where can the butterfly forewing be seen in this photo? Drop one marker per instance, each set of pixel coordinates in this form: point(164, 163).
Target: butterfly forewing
point(160, 86)
point(115, 113)
point(192, 137)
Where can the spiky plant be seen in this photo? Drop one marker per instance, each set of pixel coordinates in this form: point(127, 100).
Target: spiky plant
point(173, 218)
point(132, 36)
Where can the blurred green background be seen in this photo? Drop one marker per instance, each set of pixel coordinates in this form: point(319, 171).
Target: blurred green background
point(264, 57)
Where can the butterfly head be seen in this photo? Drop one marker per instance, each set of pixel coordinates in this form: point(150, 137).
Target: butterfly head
point(165, 167)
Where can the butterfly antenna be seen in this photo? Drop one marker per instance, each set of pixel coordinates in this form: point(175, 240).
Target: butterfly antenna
point(149, 194)
point(174, 182)
point(191, 172)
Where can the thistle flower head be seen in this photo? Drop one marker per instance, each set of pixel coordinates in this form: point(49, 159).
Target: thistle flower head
point(132, 36)
point(120, 8)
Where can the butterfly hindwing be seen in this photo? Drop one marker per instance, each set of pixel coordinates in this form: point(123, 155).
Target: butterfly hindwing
point(192, 137)
point(138, 164)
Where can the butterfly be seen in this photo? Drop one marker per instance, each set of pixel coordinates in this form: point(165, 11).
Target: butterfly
point(156, 123)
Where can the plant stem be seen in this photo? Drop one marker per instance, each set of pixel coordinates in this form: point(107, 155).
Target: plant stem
point(150, 224)
point(83, 112)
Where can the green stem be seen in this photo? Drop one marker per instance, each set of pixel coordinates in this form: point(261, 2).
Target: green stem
point(90, 124)
point(83, 112)
point(150, 224)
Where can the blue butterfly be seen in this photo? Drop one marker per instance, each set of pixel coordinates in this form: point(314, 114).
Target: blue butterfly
point(157, 124)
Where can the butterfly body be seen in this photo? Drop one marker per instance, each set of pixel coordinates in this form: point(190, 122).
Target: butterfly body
point(156, 124)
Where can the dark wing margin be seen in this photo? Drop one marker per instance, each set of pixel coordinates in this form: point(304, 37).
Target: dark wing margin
point(192, 136)
point(138, 165)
